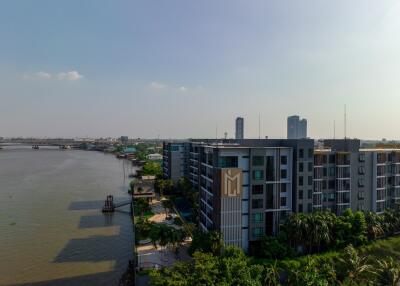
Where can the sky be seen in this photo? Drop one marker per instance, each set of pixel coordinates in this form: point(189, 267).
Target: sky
point(187, 69)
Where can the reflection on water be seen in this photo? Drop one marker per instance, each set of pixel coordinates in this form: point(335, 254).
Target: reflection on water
point(52, 229)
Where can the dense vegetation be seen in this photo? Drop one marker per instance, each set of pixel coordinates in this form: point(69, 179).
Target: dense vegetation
point(231, 266)
point(324, 231)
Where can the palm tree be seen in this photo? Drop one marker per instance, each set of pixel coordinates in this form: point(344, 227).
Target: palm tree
point(374, 225)
point(355, 266)
point(271, 275)
point(388, 272)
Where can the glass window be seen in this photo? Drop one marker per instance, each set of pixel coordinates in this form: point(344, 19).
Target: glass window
point(360, 182)
point(258, 174)
point(257, 189)
point(361, 195)
point(283, 188)
point(258, 160)
point(283, 174)
point(269, 196)
point(310, 153)
point(300, 208)
point(331, 171)
point(301, 181)
point(300, 194)
point(283, 201)
point(332, 159)
point(257, 204)
point(270, 168)
point(301, 167)
point(283, 160)
point(310, 180)
point(310, 166)
point(309, 208)
point(301, 153)
point(257, 217)
point(309, 194)
point(228, 162)
point(258, 231)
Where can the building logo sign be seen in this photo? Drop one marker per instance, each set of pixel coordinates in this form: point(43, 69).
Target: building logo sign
point(231, 182)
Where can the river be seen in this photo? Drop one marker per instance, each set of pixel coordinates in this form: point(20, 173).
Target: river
point(52, 231)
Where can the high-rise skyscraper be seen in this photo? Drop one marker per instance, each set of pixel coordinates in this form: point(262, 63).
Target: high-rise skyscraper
point(296, 128)
point(239, 133)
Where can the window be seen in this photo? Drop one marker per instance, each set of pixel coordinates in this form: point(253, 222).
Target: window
point(257, 203)
point(269, 196)
point(325, 171)
point(310, 153)
point(258, 231)
point(300, 194)
point(228, 162)
point(257, 189)
point(301, 153)
point(331, 184)
point(361, 157)
point(310, 166)
point(332, 159)
point(310, 194)
point(331, 171)
point(257, 217)
point(283, 188)
point(270, 168)
point(361, 207)
point(301, 181)
point(258, 160)
point(310, 180)
point(258, 174)
point(361, 195)
point(309, 208)
point(301, 167)
point(360, 182)
point(283, 160)
point(324, 185)
point(300, 208)
point(283, 201)
point(283, 174)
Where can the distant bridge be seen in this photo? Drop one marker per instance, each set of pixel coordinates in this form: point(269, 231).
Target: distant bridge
point(44, 142)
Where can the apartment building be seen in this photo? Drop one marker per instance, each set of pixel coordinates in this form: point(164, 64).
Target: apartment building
point(248, 187)
point(175, 160)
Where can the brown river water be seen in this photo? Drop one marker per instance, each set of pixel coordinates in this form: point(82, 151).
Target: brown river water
point(52, 231)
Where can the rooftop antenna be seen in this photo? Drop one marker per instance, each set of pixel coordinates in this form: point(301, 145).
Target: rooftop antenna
point(259, 126)
point(345, 122)
point(334, 129)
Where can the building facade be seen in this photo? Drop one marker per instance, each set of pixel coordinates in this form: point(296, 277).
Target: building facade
point(296, 127)
point(239, 128)
point(248, 187)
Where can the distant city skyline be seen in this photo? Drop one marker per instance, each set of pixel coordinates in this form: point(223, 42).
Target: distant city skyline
point(179, 69)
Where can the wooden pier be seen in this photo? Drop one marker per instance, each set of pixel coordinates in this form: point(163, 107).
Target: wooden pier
point(110, 206)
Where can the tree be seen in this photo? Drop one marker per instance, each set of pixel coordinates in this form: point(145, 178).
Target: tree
point(309, 272)
point(354, 266)
point(163, 186)
point(232, 267)
point(208, 242)
point(143, 228)
point(388, 273)
point(141, 205)
point(271, 275)
point(374, 225)
point(272, 248)
point(152, 169)
point(167, 205)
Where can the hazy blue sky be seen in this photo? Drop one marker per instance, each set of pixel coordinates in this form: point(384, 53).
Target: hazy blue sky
point(179, 68)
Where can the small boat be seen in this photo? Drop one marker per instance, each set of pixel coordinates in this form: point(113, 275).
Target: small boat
point(35, 147)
